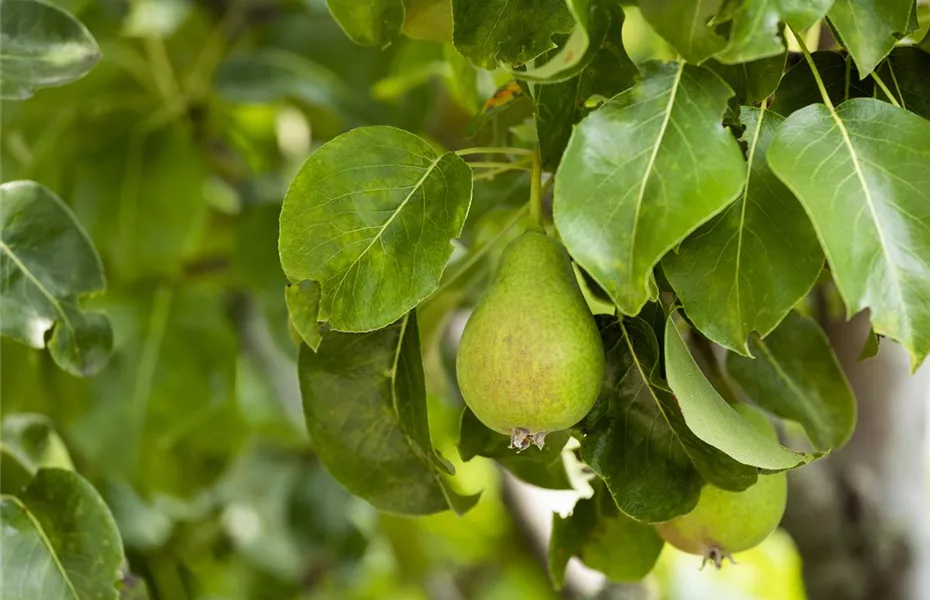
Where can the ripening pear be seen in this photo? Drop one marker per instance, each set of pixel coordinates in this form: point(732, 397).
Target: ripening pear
point(531, 359)
point(726, 522)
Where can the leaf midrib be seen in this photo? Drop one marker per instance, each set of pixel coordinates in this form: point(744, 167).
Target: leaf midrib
point(45, 540)
point(35, 281)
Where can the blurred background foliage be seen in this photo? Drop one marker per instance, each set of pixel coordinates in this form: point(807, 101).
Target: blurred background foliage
point(175, 153)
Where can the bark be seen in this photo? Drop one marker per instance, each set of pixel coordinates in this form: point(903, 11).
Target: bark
point(859, 517)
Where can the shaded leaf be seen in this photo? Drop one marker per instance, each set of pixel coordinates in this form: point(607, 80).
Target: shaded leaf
point(47, 263)
point(370, 23)
point(869, 29)
point(753, 81)
point(905, 71)
point(713, 420)
point(489, 32)
point(684, 25)
point(59, 541)
point(796, 376)
point(43, 46)
point(875, 158)
point(592, 24)
point(755, 31)
point(798, 88)
point(604, 539)
point(428, 20)
point(636, 440)
point(871, 346)
point(303, 304)
point(641, 173)
point(370, 216)
point(559, 106)
point(366, 443)
point(34, 438)
point(543, 468)
point(745, 269)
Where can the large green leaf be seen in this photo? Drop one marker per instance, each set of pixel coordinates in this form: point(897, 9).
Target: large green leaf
point(684, 24)
point(365, 406)
point(714, 421)
point(862, 172)
point(43, 46)
point(905, 72)
point(604, 539)
point(560, 105)
point(540, 467)
point(756, 28)
point(369, 23)
point(644, 171)
point(744, 270)
point(636, 439)
point(869, 29)
point(489, 32)
point(796, 376)
point(592, 24)
point(59, 541)
point(47, 262)
point(798, 88)
point(370, 216)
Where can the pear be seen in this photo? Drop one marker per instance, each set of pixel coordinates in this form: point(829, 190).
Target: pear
point(531, 359)
point(726, 522)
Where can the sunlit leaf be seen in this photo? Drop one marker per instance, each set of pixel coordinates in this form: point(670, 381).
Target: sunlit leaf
point(370, 23)
point(869, 29)
point(59, 541)
point(636, 439)
point(755, 31)
point(684, 25)
point(47, 262)
point(604, 539)
point(796, 376)
point(862, 173)
point(489, 32)
point(745, 269)
point(641, 173)
point(43, 46)
point(714, 421)
point(370, 217)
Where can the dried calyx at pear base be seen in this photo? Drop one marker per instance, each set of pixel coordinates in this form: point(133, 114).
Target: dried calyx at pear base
point(531, 359)
point(726, 522)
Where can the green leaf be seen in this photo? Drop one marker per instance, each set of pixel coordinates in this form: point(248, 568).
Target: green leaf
point(641, 173)
point(636, 440)
point(871, 346)
point(755, 31)
point(560, 106)
point(796, 376)
point(429, 20)
point(543, 468)
point(47, 263)
point(876, 158)
point(303, 304)
point(592, 24)
point(33, 437)
point(905, 72)
point(604, 539)
point(869, 29)
point(370, 216)
point(745, 269)
point(489, 32)
point(684, 25)
point(798, 88)
point(367, 417)
point(753, 81)
point(713, 420)
point(43, 46)
point(59, 541)
point(370, 23)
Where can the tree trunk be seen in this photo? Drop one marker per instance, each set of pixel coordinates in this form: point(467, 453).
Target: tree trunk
point(859, 517)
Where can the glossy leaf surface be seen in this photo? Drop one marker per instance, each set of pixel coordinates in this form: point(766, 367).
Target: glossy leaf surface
point(641, 173)
point(866, 192)
point(745, 269)
point(47, 262)
point(684, 24)
point(755, 31)
point(370, 216)
point(869, 29)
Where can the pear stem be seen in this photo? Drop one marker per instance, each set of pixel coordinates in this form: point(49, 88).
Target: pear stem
point(536, 191)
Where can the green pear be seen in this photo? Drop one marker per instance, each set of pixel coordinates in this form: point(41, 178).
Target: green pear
point(726, 522)
point(531, 359)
